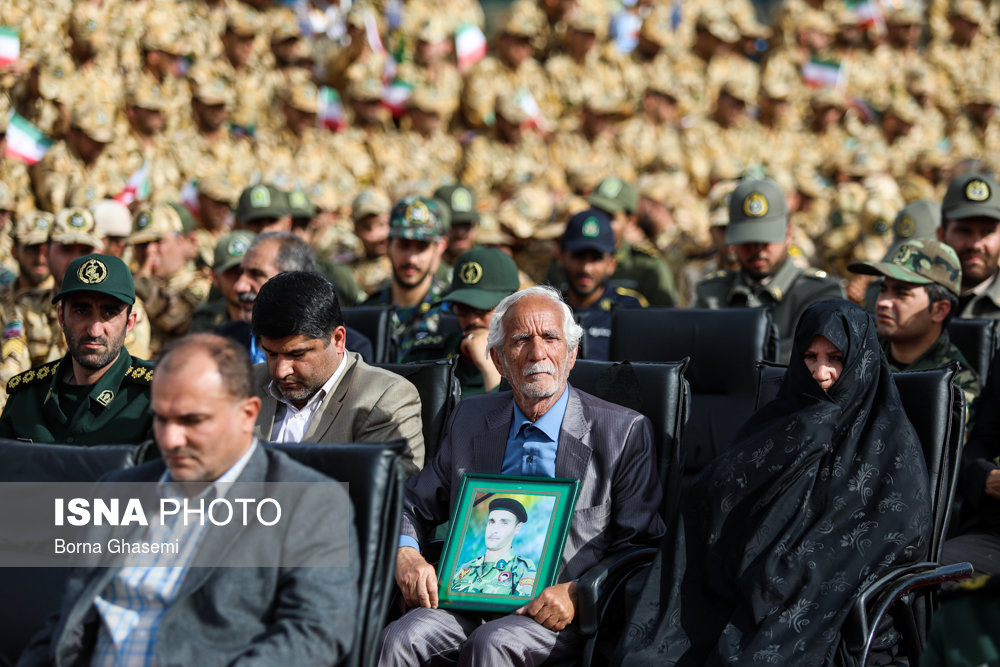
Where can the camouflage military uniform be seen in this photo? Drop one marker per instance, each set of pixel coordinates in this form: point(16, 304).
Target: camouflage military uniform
point(409, 325)
point(941, 354)
point(490, 77)
point(43, 407)
point(490, 166)
point(170, 303)
point(515, 576)
point(646, 273)
point(596, 320)
point(371, 274)
point(61, 171)
point(786, 295)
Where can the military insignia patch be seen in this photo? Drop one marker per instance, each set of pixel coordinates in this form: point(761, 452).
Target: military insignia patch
point(142, 220)
point(260, 196)
point(503, 577)
point(903, 255)
point(418, 212)
point(755, 205)
point(77, 220)
point(471, 273)
point(297, 199)
point(237, 246)
point(591, 228)
point(106, 397)
point(906, 227)
point(461, 201)
point(977, 190)
point(611, 187)
point(92, 272)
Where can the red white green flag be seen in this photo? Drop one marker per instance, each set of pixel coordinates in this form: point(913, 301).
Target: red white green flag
point(822, 73)
point(396, 96)
point(331, 109)
point(10, 46)
point(25, 141)
point(470, 46)
point(137, 188)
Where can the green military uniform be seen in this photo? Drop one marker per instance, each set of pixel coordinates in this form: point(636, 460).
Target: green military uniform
point(507, 576)
point(644, 272)
point(410, 325)
point(758, 214)
point(43, 406)
point(209, 316)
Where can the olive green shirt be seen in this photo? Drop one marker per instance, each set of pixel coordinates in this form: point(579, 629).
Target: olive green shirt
point(42, 407)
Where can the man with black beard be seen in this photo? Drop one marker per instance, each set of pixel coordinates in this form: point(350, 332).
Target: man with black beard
point(587, 256)
point(97, 393)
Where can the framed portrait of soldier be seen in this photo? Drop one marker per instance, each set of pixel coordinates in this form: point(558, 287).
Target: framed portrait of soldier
point(506, 541)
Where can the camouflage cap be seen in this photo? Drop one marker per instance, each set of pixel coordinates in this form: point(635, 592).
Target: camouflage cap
point(917, 220)
point(163, 36)
point(301, 95)
point(154, 223)
point(367, 89)
point(416, 218)
point(230, 249)
point(758, 213)
point(918, 262)
point(970, 10)
point(88, 22)
point(431, 100)
point(33, 228)
point(658, 26)
point(432, 31)
point(972, 195)
point(261, 201)
point(112, 218)
point(613, 195)
point(370, 202)
point(54, 73)
point(300, 205)
point(212, 90)
point(104, 274)
point(589, 230)
point(243, 20)
point(218, 187)
point(529, 211)
point(97, 121)
point(906, 13)
point(509, 107)
point(482, 278)
point(461, 203)
point(585, 19)
point(718, 24)
point(76, 225)
point(146, 94)
point(284, 25)
point(521, 20)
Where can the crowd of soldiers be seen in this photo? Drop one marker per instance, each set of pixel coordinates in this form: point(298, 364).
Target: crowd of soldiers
point(175, 121)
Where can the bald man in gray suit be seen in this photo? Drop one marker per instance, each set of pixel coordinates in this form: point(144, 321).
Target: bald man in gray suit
point(311, 388)
point(542, 428)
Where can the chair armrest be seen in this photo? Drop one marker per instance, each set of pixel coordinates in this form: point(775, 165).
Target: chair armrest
point(598, 583)
point(871, 606)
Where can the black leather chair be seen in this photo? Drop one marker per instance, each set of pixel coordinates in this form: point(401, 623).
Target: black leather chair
point(977, 339)
point(375, 322)
point(439, 393)
point(30, 595)
point(936, 408)
point(723, 345)
point(375, 483)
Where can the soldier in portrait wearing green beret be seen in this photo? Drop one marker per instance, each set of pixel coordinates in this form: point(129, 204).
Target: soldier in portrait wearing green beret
point(759, 230)
point(499, 571)
point(918, 297)
point(97, 393)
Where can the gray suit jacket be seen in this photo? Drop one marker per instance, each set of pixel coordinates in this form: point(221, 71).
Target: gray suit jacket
point(368, 405)
point(251, 615)
point(607, 447)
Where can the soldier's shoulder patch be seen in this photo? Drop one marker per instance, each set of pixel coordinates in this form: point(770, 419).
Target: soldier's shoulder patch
point(31, 377)
point(632, 294)
point(140, 372)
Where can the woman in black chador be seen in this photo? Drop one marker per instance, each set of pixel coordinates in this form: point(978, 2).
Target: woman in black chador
point(821, 491)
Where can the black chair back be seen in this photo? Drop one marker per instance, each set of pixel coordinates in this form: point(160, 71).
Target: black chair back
point(375, 322)
point(439, 393)
point(32, 594)
point(375, 482)
point(723, 345)
point(977, 339)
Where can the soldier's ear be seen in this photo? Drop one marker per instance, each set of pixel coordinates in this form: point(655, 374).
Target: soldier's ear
point(940, 310)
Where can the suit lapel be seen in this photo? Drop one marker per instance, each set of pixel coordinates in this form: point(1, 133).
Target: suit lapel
point(489, 446)
point(330, 407)
point(268, 408)
point(574, 452)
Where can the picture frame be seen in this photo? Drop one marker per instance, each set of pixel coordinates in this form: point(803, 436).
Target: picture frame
point(506, 541)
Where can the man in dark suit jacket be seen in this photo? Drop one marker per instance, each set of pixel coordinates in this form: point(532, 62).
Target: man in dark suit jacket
point(191, 613)
point(543, 428)
point(312, 389)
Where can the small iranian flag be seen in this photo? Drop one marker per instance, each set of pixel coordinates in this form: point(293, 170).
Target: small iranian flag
point(868, 12)
point(25, 141)
point(331, 110)
point(189, 197)
point(137, 188)
point(470, 46)
point(822, 73)
point(529, 105)
point(10, 46)
point(396, 95)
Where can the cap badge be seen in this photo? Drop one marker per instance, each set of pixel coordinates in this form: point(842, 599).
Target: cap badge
point(237, 246)
point(755, 205)
point(611, 188)
point(106, 397)
point(418, 212)
point(142, 220)
point(591, 228)
point(92, 272)
point(977, 191)
point(260, 196)
point(77, 220)
point(906, 227)
point(903, 255)
point(41, 224)
point(881, 227)
point(471, 273)
point(298, 199)
point(461, 201)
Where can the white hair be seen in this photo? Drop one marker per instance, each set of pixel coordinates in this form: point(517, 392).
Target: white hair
point(497, 334)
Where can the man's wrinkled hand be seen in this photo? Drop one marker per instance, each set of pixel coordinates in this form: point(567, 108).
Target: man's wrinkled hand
point(555, 608)
point(416, 578)
point(993, 484)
